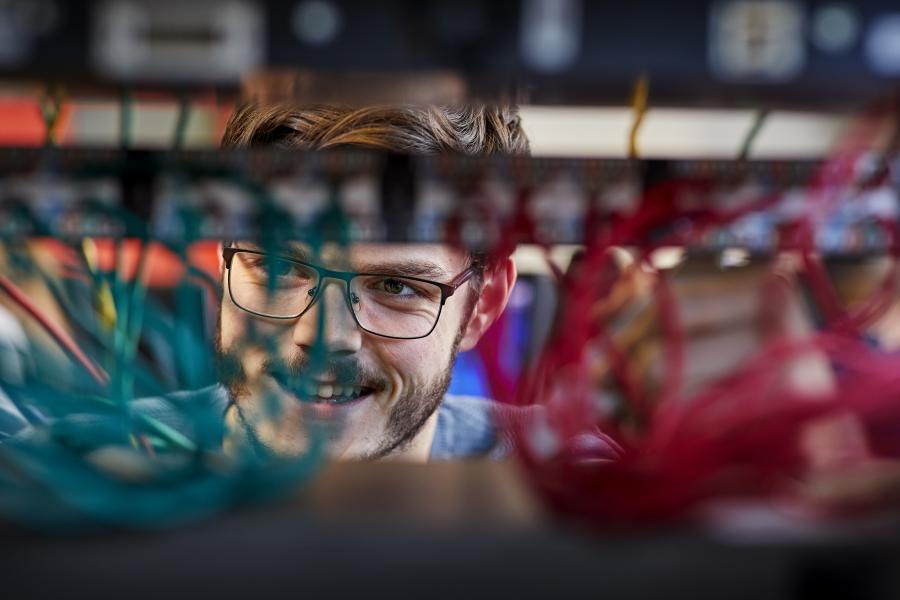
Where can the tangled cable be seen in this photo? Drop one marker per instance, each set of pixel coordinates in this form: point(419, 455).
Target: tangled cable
point(621, 438)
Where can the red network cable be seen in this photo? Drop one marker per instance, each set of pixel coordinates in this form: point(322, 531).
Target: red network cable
point(742, 435)
point(58, 334)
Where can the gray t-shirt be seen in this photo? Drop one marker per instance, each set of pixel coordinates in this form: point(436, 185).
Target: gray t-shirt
point(465, 429)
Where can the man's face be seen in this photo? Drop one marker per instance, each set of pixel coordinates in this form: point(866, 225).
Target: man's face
point(399, 382)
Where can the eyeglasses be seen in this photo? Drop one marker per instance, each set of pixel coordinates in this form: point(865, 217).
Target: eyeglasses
point(386, 305)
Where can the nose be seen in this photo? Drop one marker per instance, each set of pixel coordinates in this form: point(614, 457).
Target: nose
point(329, 323)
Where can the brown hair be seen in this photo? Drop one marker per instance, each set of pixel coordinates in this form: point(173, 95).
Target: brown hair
point(426, 129)
point(470, 129)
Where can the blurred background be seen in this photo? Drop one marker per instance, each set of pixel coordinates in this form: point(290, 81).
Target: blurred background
point(560, 131)
point(572, 65)
point(741, 80)
point(744, 152)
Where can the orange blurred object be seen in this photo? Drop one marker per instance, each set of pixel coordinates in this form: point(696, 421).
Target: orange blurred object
point(163, 267)
point(21, 123)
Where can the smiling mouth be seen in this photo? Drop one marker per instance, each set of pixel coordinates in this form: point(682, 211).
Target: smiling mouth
point(313, 392)
point(332, 393)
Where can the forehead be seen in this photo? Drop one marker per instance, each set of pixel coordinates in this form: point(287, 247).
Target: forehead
point(361, 257)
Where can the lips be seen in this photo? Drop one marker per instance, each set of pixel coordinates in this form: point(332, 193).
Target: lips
point(320, 392)
point(334, 393)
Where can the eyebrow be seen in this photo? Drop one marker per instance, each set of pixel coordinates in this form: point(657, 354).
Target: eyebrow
point(292, 252)
point(404, 268)
point(409, 268)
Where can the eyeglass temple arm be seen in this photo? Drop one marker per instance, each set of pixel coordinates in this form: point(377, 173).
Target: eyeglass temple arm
point(461, 279)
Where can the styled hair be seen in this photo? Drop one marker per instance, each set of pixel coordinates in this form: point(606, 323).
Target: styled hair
point(478, 130)
point(468, 129)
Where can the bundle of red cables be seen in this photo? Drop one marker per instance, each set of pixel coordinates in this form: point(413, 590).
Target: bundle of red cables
point(745, 435)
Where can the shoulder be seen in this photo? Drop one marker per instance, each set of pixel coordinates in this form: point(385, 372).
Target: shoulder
point(12, 421)
point(468, 428)
point(197, 414)
point(465, 428)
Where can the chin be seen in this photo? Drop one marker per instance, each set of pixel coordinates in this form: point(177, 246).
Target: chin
point(354, 425)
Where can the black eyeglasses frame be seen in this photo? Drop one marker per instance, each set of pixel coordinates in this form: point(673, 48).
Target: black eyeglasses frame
point(447, 289)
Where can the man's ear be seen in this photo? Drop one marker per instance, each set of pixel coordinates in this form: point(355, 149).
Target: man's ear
point(495, 290)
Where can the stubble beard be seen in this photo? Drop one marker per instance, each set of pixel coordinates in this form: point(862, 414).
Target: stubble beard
point(408, 416)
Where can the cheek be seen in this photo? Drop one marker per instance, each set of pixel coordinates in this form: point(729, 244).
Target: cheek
point(232, 325)
point(241, 333)
point(239, 327)
point(451, 319)
point(419, 361)
point(407, 364)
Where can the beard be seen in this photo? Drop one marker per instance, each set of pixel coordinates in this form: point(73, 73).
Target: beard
point(407, 417)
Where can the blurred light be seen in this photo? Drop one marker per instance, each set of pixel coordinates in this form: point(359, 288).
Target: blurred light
point(678, 133)
point(96, 124)
point(835, 27)
point(551, 34)
point(317, 22)
point(734, 257)
point(532, 260)
point(757, 40)
point(692, 133)
point(667, 257)
point(573, 131)
point(883, 45)
point(798, 135)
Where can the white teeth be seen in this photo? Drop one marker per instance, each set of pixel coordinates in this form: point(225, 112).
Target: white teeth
point(333, 392)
